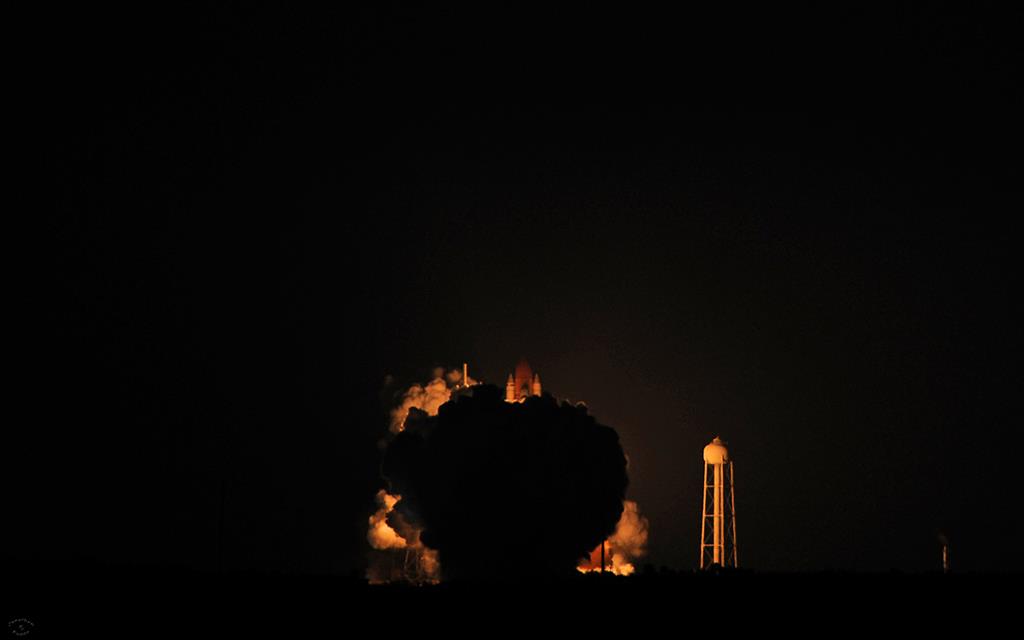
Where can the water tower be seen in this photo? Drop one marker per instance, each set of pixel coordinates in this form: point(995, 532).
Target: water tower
point(718, 520)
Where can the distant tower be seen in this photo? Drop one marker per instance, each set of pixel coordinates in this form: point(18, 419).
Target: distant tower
point(945, 552)
point(718, 520)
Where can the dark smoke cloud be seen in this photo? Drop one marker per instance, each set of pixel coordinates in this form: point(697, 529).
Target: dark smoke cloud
point(508, 490)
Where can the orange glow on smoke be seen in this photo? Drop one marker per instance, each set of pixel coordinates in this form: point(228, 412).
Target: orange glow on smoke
point(419, 564)
point(593, 563)
point(614, 563)
point(381, 535)
point(626, 543)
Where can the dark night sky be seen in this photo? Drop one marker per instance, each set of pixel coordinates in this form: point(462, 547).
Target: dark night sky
point(796, 231)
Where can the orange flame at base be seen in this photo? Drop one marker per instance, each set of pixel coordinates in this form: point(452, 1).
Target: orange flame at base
point(626, 544)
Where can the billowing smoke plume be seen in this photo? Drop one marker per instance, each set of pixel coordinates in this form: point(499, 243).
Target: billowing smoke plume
point(506, 489)
point(627, 544)
point(381, 535)
point(404, 557)
point(428, 397)
point(630, 539)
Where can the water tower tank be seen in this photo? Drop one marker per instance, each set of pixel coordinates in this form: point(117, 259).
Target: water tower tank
point(716, 452)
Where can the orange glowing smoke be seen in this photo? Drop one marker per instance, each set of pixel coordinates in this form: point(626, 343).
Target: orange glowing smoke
point(381, 535)
point(419, 563)
point(626, 544)
point(427, 398)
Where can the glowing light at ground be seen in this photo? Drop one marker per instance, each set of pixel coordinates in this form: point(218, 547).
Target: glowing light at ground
point(623, 547)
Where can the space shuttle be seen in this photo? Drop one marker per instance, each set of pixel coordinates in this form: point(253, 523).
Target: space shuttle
point(522, 383)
